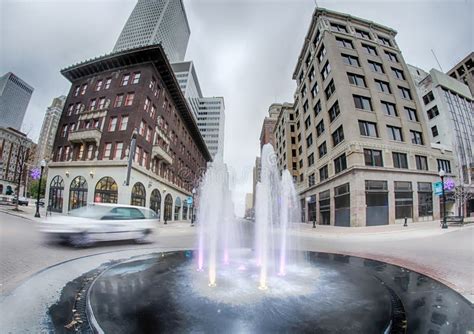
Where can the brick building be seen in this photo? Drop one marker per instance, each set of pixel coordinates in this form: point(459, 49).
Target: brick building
point(113, 98)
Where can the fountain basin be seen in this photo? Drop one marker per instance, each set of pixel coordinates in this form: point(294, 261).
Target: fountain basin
point(333, 293)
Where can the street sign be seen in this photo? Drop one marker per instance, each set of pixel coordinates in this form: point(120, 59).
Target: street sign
point(190, 200)
point(438, 188)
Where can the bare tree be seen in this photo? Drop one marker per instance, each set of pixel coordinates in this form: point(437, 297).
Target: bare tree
point(462, 194)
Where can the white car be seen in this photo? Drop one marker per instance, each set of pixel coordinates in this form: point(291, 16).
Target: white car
point(101, 222)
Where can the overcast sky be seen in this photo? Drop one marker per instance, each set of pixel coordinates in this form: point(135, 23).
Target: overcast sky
point(244, 50)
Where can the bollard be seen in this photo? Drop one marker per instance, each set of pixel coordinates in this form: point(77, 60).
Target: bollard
point(405, 222)
point(314, 223)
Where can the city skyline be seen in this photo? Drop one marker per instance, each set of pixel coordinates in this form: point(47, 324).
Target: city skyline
point(246, 52)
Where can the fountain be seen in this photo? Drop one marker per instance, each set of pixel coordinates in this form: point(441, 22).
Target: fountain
point(259, 281)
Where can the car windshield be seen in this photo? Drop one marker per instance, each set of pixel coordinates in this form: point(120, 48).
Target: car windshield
point(90, 211)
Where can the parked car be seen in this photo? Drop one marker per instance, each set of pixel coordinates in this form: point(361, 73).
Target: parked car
point(6, 199)
point(101, 222)
point(21, 200)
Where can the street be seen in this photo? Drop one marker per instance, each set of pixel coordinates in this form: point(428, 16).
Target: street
point(446, 255)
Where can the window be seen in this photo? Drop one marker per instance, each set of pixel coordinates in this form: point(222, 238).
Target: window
point(310, 159)
point(98, 85)
point(334, 111)
point(322, 150)
point(144, 159)
point(338, 136)
point(428, 98)
point(411, 114)
point(394, 133)
point(125, 79)
point(368, 129)
point(444, 165)
point(400, 160)
point(383, 86)
point(81, 152)
point(326, 70)
point(307, 122)
point(303, 91)
point(384, 41)
point(305, 107)
point(373, 158)
point(309, 140)
point(129, 99)
point(425, 199)
point(323, 173)
point(321, 54)
point(317, 108)
point(118, 101)
point(350, 60)
point(92, 104)
point(338, 27)
point(76, 91)
point(317, 38)
point(398, 73)
point(416, 137)
point(311, 74)
point(314, 90)
point(357, 80)
point(376, 67)
point(112, 123)
point(433, 112)
point(108, 81)
point(311, 180)
point(434, 131)
point(320, 128)
point(369, 49)
point(90, 148)
point(118, 150)
point(391, 56)
point(70, 109)
point(403, 200)
point(389, 109)
point(123, 123)
point(362, 34)
point(107, 150)
point(64, 131)
point(83, 90)
point(308, 59)
point(421, 162)
point(404, 92)
point(330, 89)
point(340, 163)
point(153, 111)
point(344, 43)
point(362, 102)
point(142, 128)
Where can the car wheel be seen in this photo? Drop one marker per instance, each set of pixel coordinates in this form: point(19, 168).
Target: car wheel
point(144, 239)
point(81, 240)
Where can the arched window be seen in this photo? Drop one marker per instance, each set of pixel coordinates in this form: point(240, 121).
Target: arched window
point(56, 188)
point(155, 202)
point(78, 193)
point(106, 191)
point(168, 207)
point(138, 195)
point(177, 208)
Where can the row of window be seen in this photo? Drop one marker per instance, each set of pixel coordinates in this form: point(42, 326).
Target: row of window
point(369, 129)
point(100, 84)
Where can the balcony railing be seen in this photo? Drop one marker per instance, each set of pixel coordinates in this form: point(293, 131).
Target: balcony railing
point(85, 136)
point(161, 154)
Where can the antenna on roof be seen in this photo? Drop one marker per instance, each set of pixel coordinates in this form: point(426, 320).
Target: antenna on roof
point(436, 58)
point(316, 3)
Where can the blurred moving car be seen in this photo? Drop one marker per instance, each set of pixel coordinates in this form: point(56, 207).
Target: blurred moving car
point(101, 222)
point(6, 199)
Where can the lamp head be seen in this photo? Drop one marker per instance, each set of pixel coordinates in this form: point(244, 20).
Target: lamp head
point(194, 190)
point(43, 163)
point(441, 173)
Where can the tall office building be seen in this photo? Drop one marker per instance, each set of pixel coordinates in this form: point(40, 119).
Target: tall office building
point(448, 109)
point(15, 95)
point(157, 21)
point(284, 133)
point(464, 71)
point(211, 122)
point(49, 128)
point(366, 157)
point(208, 111)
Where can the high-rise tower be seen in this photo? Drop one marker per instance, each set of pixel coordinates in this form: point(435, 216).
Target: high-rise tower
point(15, 95)
point(49, 128)
point(157, 21)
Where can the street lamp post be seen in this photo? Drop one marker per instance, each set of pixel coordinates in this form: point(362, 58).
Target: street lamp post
point(43, 164)
point(441, 175)
point(192, 207)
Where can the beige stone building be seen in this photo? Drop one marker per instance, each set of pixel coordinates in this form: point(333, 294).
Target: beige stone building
point(464, 71)
point(364, 154)
point(285, 139)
